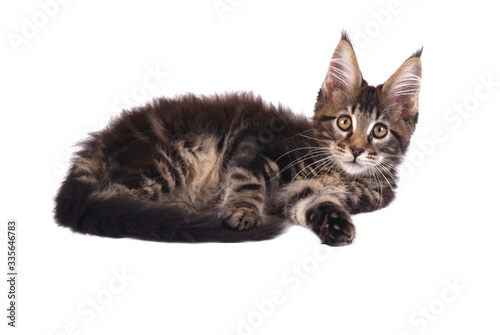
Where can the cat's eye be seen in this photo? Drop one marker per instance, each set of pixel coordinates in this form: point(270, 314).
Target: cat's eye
point(379, 130)
point(344, 123)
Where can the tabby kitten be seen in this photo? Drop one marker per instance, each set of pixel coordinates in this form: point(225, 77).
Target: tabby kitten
point(220, 168)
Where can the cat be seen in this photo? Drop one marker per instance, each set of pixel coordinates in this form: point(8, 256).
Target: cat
point(231, 167)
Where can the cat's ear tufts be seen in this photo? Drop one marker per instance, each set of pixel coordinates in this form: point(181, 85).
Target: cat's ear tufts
point(401, 90)
point(343, 78)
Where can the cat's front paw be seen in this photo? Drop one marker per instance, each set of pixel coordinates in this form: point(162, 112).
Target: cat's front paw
point(242, 218)
point(331, 223)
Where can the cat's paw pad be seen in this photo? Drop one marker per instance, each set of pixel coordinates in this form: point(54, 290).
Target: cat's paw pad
point(331, 223)
point(242, 219)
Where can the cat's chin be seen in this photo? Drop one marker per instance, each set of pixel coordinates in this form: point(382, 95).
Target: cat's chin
point(353, 168)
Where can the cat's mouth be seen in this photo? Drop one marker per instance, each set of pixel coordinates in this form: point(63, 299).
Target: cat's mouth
point(353, 167)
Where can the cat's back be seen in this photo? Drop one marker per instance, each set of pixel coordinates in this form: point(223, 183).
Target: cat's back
point(191, 114)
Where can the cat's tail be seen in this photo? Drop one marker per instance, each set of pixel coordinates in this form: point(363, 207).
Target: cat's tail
point(81, 208)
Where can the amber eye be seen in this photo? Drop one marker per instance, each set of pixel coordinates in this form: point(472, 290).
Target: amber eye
point(344, 123)
point(379, 130)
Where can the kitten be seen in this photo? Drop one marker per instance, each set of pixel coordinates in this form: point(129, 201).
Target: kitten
point(225, 167)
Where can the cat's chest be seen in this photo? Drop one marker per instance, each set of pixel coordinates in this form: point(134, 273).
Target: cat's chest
point(203, 173)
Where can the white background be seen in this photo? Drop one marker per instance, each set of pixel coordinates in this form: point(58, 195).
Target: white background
point(71, 73)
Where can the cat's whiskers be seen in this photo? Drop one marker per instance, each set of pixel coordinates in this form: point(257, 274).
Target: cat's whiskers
point(315, 162)
point(372, 177)
point(318, 169)
point(315, 139)
point(394, 160)
point(378, 183)
point(390, 168)
point(293, 150)
point(293, 136)
point(378, 173)
point(328, 163)
point(313, 154)
point(379, 167)
point(333, 164)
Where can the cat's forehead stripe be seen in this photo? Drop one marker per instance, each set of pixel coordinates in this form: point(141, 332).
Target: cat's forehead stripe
point(368, 99)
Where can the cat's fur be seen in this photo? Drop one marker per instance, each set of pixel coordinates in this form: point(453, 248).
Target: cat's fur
point(219, 168)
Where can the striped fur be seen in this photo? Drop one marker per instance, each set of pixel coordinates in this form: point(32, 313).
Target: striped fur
point(231, 167)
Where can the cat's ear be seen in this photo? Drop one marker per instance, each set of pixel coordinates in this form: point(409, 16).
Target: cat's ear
point(402, 88)
point(343, 78)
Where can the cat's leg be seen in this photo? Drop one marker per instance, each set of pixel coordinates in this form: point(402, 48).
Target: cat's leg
point(313, 205)
point(245, 184)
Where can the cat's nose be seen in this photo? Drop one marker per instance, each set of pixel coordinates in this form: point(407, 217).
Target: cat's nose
point(356, 151)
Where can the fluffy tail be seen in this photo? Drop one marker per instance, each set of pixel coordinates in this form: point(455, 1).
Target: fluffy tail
point(126, 216)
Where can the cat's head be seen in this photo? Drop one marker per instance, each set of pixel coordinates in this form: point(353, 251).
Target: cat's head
point(367, 127)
